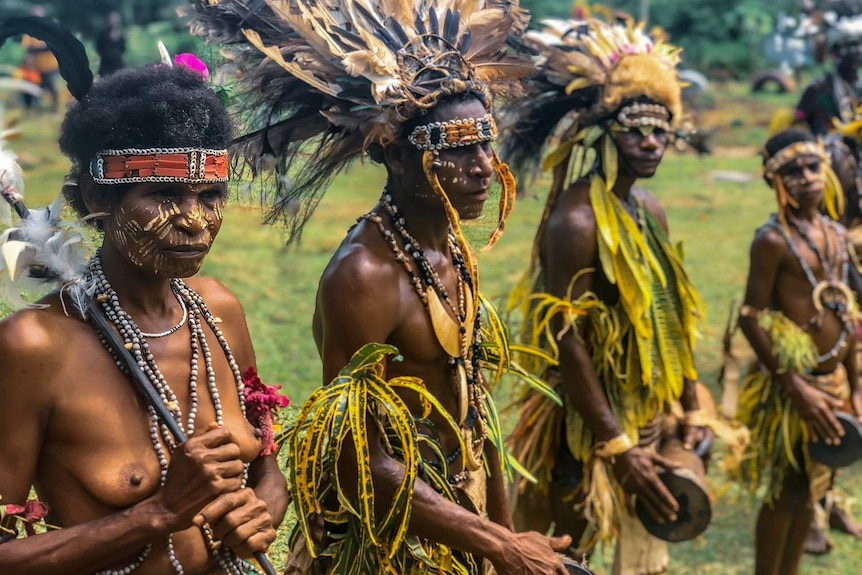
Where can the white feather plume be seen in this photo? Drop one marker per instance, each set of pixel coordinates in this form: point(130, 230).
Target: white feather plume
point(11, 175)
point(42, 253)
point(164, 55)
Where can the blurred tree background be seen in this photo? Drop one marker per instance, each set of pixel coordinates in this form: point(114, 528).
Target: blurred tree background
point(145, 23)
point(722, 39)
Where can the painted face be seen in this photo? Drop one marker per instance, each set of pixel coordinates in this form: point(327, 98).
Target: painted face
point(465, 172)
point(640, 150)
point(167, 228)
point(803, 179)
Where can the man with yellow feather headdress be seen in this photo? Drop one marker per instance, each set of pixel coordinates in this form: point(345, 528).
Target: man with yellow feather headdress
point(799, 315)
point(397, 463)
point(606, 293)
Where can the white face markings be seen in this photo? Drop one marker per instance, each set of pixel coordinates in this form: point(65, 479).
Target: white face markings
point(801, 173)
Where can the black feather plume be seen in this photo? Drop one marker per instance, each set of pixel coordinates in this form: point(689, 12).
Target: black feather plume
point(451, 27)
point(71, 56)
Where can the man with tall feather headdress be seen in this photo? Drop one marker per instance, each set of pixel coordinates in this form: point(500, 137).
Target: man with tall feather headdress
point(606, 293)
point(799, 315)
point(397, 463)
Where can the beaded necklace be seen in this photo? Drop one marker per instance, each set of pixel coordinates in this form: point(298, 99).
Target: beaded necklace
point(181, 323)
point(135, 340)
point(465, 357)
point(834, 279)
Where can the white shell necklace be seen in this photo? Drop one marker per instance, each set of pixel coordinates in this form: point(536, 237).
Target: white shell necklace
point(176, 328)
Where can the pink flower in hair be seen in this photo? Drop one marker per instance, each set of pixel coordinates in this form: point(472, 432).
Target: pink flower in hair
point(193, 63)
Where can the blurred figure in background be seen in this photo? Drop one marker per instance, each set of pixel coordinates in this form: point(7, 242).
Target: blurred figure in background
point(111, 44)
point(45, 63)
point(27, 71)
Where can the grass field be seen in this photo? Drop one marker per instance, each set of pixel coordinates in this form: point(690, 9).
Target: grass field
point(715, 218)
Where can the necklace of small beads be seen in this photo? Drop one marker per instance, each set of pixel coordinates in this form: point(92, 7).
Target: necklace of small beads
point(429, 275)
point(160, 436)
point(430, 279)
point(175, 328)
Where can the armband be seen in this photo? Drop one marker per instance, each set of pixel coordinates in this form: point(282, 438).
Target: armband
point(749, 311)
point(613, 447)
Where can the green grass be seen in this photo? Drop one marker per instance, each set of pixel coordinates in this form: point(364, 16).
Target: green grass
point(715, 220)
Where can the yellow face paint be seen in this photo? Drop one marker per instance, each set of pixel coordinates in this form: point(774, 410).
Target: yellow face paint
point(167, 228)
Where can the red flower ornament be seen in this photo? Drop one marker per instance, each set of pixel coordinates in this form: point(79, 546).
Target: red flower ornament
point(261, 403)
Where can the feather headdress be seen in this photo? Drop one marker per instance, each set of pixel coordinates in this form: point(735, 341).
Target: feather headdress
point(590, 69)
point(598, 78)
point(326, 79)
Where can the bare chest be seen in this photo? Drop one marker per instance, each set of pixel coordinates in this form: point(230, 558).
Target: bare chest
point(99, 452)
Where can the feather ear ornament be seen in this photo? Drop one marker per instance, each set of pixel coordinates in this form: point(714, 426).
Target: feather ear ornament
point(42, 252)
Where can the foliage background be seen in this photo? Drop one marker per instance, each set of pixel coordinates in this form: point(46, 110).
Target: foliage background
point(719, 37)
point(714, 216)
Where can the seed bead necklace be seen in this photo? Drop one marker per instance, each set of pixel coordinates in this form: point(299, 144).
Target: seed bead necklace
point(182, 322)
point(196, 314)
point(429, 279)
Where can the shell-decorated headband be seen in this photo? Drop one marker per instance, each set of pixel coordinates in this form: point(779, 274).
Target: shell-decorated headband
point(791, 152)
point(135, 165)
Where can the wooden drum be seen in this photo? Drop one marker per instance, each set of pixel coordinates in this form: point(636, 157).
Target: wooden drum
point(688, 486)
point(845, 453)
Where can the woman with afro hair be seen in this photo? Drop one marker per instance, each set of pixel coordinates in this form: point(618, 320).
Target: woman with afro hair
point(149, 168)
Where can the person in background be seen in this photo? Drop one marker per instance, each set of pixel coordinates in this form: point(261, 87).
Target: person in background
point(111, 44)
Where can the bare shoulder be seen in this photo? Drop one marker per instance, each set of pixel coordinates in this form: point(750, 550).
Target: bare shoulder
point(218, 298)
point(362, 268)
point(572, 222)
point(35, 332)
point(768, 239)
point(37, 342)
point(358, 298)
point(652, 205)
